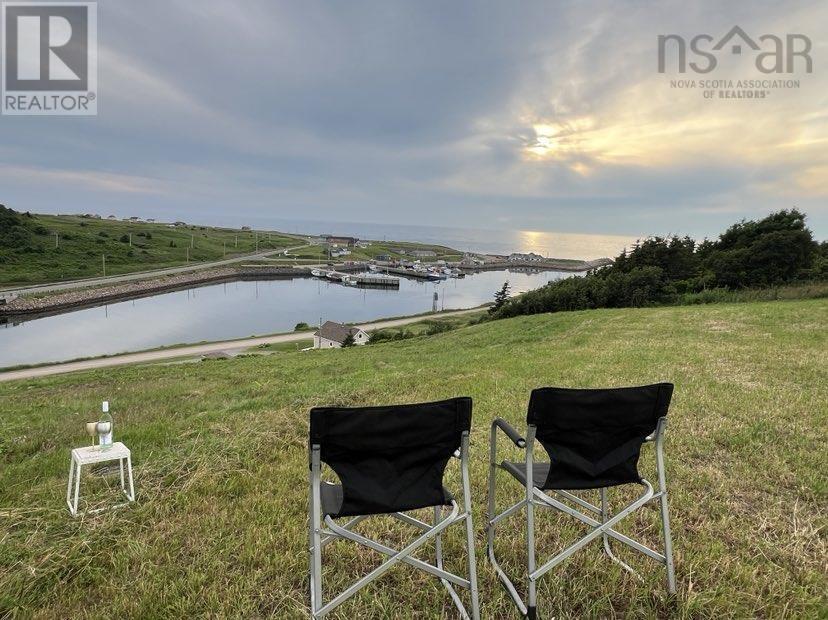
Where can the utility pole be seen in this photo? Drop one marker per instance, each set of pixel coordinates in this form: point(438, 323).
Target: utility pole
point(130, 239)
point(225, 249)
point(192, 241)
point(257, 242)
point(56, 239)
point(103, 256)
point(237, 241)
point(188, 255)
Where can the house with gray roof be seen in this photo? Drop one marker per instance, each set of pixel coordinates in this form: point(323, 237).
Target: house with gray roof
point(331, 335)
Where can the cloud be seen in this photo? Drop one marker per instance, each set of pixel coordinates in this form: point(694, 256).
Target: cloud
point(553, 116)
point(88, 179)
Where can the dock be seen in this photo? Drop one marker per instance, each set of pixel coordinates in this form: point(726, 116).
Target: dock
point(358, 280)
point(410, 273)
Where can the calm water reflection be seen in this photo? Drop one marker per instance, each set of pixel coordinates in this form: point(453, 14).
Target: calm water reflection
point(237, 310)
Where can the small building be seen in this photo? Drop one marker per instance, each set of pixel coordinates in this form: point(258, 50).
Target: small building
point(363, 244)
point(400, 251)
point(423, 253)
point(384, 258)
point(245, 227)
point(331, 335)
point(339, 240)
point(530, 257)
point(112, 217)
point(179, 224)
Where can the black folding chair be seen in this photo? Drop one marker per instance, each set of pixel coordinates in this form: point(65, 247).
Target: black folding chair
point(389, 460)
point(593, 439)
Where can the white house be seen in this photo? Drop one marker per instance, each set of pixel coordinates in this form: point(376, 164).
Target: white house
point(423, 253)
point(331, 335)
point(531, 256)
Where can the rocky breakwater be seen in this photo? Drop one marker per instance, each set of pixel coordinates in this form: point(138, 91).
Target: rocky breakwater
point(57, 302)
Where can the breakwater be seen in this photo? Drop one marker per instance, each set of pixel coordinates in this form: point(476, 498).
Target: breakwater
point(96, 296)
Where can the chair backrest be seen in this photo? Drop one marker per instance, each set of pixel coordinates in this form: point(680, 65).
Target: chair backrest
point(391, 458)
point(594, 437)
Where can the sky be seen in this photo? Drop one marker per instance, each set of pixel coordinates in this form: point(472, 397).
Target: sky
point(534, 116)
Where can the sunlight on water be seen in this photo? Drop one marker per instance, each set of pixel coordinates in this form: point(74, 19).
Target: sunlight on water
point(572, 245)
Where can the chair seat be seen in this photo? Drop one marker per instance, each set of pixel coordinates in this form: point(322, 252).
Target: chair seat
point(518, 471)
point(332, 498)
point(540, 471)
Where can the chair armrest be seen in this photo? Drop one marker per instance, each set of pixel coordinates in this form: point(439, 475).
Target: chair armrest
point(659, 430)
point(511, 433)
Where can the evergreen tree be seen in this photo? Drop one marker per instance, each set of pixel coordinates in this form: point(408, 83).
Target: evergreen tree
point(500, 298)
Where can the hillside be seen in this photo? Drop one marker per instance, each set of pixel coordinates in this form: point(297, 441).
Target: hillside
point(49, 248)
point(221, 470)
point(30, 253)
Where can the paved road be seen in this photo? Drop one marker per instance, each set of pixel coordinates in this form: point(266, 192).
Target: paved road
point(141, 275)
point(201, 349)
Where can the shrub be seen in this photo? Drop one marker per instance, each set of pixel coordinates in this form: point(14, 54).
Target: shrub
point(774, 251)
point(438, 327)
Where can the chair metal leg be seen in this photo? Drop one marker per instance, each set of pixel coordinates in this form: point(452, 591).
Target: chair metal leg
point(404, 555)
point(668, 545)
point(467, 507)
point(315, 534)
point(492, 518)
point(596, 532)
point(531, 598)
point(662, 500)
point(605, 536)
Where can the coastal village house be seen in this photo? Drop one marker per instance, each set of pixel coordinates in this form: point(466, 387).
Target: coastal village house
point(331, 335)
point(339, 240)
point(531, 256)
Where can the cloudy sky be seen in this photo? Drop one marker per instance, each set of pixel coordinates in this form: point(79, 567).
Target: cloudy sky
point(546, 116)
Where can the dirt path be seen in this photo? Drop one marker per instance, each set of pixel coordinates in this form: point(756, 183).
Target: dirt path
point(201, 349)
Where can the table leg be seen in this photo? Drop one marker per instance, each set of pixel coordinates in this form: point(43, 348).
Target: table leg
point(77, 487)
point(129, 471)
point(121, 464)
point(69, 485)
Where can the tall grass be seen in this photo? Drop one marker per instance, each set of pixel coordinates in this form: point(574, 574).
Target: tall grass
point(220, 452)
point(807, 290)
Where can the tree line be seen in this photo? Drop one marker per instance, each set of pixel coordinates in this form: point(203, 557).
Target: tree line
point(776, 250)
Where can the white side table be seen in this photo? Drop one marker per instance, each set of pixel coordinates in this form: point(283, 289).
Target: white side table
point(98, 454)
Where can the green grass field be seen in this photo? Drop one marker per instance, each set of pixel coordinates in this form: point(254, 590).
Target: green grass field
point(81, 243)
point(220, 450)
point(320, 253)
point(68, 247)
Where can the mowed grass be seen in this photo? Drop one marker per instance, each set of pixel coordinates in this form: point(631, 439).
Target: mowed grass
point(220, 451)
